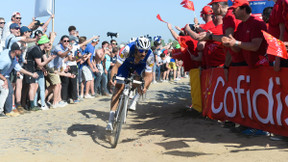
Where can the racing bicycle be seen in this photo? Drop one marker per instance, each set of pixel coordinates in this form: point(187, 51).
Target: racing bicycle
point(122, 108)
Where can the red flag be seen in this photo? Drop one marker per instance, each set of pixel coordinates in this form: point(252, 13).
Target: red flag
point(188, 4)
point(275, 46)
point(182, 44)
point(183, 2)
point(159, 18)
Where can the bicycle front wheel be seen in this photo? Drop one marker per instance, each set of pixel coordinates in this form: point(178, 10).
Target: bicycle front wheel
point(119, 121)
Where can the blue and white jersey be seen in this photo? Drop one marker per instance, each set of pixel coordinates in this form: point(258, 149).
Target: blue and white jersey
point(126, 58)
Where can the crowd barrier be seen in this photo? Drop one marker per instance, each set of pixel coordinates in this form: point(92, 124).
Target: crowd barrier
point(256, 98)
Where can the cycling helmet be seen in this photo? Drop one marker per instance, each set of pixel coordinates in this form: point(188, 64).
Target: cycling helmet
point(142, 43)
point(133, 39)
point(157, 39)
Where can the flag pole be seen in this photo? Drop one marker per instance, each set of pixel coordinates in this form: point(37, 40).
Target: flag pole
point(53, 16)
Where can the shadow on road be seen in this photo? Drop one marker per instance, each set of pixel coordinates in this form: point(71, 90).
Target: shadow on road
point(94, 113)
point(97, 133)
point(169, 117)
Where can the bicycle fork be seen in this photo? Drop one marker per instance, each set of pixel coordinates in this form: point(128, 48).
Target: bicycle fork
point(123, 100)
point(126, 98)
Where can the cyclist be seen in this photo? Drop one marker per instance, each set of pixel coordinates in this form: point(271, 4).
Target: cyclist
point(137, 56)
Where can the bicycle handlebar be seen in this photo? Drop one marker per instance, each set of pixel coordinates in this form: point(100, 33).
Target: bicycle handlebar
point(127, 79)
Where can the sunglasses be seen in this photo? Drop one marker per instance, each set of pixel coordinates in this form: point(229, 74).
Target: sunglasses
point(114, 43)
point(2, 22)
point(18, 18)
point(17, 28)
point(66, 41)
point(142, 51)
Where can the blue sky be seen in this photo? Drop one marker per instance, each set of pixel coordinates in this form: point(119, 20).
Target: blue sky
point(130, 18)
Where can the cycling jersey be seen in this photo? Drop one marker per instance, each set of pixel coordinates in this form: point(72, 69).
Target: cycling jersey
point(126, 58)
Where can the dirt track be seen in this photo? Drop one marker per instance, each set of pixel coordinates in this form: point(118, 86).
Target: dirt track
point(159, 130)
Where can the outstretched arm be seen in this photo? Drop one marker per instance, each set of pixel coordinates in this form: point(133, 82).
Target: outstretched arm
point(174, 34)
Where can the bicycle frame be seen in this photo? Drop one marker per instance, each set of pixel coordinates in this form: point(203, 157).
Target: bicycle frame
point(125, 94)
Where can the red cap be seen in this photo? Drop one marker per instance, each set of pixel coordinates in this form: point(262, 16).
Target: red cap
point(238, 3)
point(165, 52)
point(207, 10)
point(213, 1)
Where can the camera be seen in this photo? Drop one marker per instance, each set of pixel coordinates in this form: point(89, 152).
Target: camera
point(111, 34)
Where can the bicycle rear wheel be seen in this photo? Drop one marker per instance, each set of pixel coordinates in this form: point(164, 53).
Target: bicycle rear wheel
point(120, 120)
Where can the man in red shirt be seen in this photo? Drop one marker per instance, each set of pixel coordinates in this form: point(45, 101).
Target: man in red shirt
point(190, 65)
point(276, 28)
point(249, 40)
point(230, 23)
point(206, 15)
point(213, 54)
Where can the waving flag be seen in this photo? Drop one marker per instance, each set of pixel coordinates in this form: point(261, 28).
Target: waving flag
point(275, 46)
point(183, 2)
point(43, 8)
point(159, 18)
point(188, 4)
point(183, 44)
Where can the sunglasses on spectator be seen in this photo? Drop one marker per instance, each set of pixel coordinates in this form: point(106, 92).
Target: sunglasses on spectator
point(142, 51)
point(66, 41)
point(2, 22)
point(17, 28)
point(18, 18)
point(114, 43)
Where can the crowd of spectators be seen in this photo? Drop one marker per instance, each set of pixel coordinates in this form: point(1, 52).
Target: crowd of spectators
point(230, 36)
point(38, 75)
point(35, 75)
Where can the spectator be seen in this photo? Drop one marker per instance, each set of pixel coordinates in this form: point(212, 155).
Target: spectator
point(2, 23)
point(250, 45)
point(113, 43)
point(37, 25)
point(3, 93)
point(164, 67)
point(101, 76)
point(73, 32)
point(266, 14)
point(61, 51)
point(113, 56)
point(179, 64)
point(106, 65)
point(173, 68)
point(192, 60)
point(276, 28)
point(89, 68)
point(16, 18)
point(15, 36)
point(153, 48)
point(82, 58)
point(69, 85)
point(8, 62)
point(36, 64)
point(17, 82)
point(157, 53)
point(72, 64)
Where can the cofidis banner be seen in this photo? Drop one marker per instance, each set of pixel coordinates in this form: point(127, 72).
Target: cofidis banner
point(256, 98)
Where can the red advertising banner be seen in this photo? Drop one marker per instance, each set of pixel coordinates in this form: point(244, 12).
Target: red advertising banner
point(256, 98)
